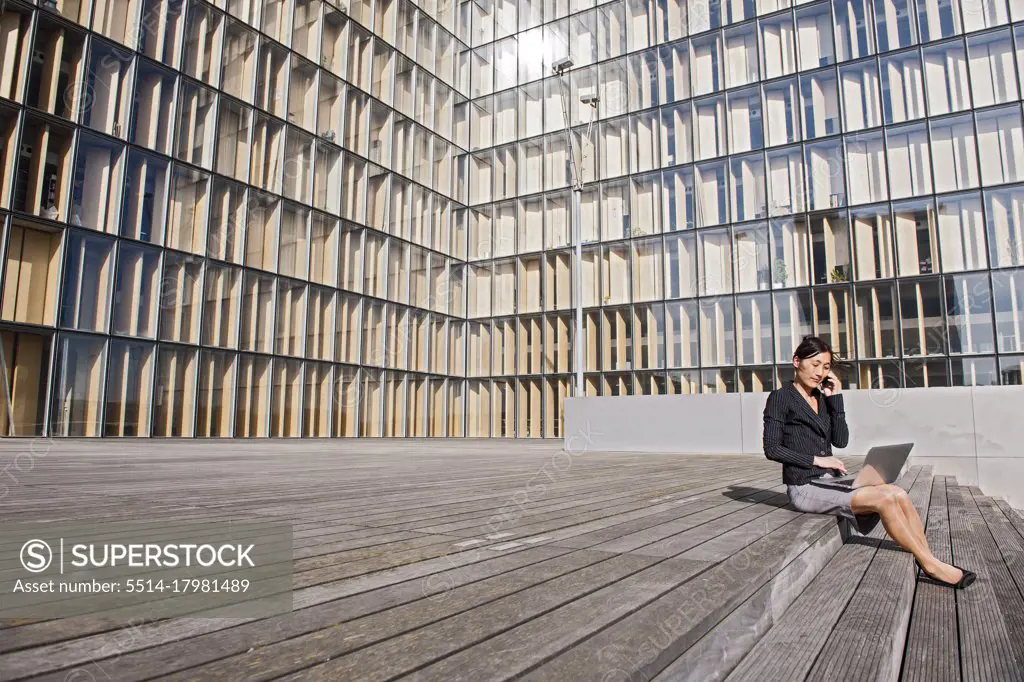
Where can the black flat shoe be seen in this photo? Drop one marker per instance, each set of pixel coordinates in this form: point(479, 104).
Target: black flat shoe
point(966, 579)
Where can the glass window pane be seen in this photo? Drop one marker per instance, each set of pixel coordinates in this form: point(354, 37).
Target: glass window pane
point(753, 264)
point(793, 321)
point(754, 322)
point(969, 314)
point(861, 103)
point(993, 75)
point(712, 205)
point(876, 323)
point(129, 394)
point(955, 154)
point(745, 132)
point(778, 46)
point(1008, 289)
point(681, 266)
point(1001, 145)
point(814, 36)
point(894, 23)
point(820, 93)
point(866, 168)
point(787, 191)
point(961, 233)
point(830, 248)
point(923, 326)
point(136, 290)
point(748, 187)
point(945, 72)
point(854, 35)
point(979, 14)
point(938, 19)
point(825, 171)
point(716, 264)
point(902, 87)
point(974, 372)
point(175, 386)
point(80, 373)
point(741, 56)
point(87, 277)
point(782, 112)
point(1004, 210)
point(872, 242)
point(910, 168)
point(717, 332)
point(706, 63)
point(790, 254)
point(917, 242)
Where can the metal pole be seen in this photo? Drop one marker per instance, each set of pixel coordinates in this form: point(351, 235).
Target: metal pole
point(576, 180)
point(578, 238)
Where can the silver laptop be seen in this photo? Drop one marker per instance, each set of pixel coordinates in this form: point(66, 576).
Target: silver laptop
point(883, 464)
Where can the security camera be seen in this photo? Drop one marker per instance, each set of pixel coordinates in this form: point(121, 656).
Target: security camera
point(560, 65)
point(589, 97)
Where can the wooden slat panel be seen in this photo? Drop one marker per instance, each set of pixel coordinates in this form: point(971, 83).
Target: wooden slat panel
point(932, 652)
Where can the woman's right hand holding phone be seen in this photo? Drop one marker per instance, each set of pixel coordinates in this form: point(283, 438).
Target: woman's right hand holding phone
point(830, 463)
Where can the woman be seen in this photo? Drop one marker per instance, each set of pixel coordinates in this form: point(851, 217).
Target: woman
point(802, 421)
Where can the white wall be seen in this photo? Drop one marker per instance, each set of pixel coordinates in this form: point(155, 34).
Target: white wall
point(975, 434)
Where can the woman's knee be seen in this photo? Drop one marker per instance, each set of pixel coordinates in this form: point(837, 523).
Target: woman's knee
point(898, 494)
point(881, 499)
point(874, 499)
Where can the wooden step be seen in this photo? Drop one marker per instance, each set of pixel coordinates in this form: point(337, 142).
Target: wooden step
point(1014, 516)
point(628, 567)
point(344, 579)
point(856, 597)
point(1008, 540)
point(991, 636)
point(645, 641)
point(932, 652)
point(334, 628)
point(520, 643)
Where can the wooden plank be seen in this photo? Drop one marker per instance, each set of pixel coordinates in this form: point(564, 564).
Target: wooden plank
point(410, 650)
point(228, 665)
point(1009, 543)
point(1014, 516)
point(986, 648)
point(626, 628)
point(790, 648)
point(685, 504)
point(726, 544)
point(385, 589)
point(932, 652)
point(1003, 553)
point(322, 592)
point(718, 652)
point(714, 519)
point(867, 641)
point(367, 617)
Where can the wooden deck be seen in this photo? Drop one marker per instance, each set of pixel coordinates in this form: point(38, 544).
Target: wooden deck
point(497, 560)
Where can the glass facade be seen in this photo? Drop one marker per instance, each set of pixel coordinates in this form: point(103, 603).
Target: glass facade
point(284, 218)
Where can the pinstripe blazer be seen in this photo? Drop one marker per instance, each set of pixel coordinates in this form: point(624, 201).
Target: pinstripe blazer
point(794, 435)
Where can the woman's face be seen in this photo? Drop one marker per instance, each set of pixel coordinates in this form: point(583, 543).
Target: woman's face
point(812, 371)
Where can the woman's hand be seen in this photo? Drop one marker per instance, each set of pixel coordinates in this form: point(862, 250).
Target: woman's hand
point(830, 463)
point(831, 385)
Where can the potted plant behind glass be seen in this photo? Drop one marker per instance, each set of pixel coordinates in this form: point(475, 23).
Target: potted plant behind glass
point(781, 272)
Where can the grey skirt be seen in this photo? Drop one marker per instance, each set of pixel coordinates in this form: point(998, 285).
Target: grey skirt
point(816, 499)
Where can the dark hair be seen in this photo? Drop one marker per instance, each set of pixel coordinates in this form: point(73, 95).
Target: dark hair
point(811, 346)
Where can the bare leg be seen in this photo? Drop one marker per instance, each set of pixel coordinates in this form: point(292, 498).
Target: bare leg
point(902, 523)
point(913, 518)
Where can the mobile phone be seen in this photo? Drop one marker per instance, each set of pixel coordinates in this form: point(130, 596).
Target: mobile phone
point(827, 384)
